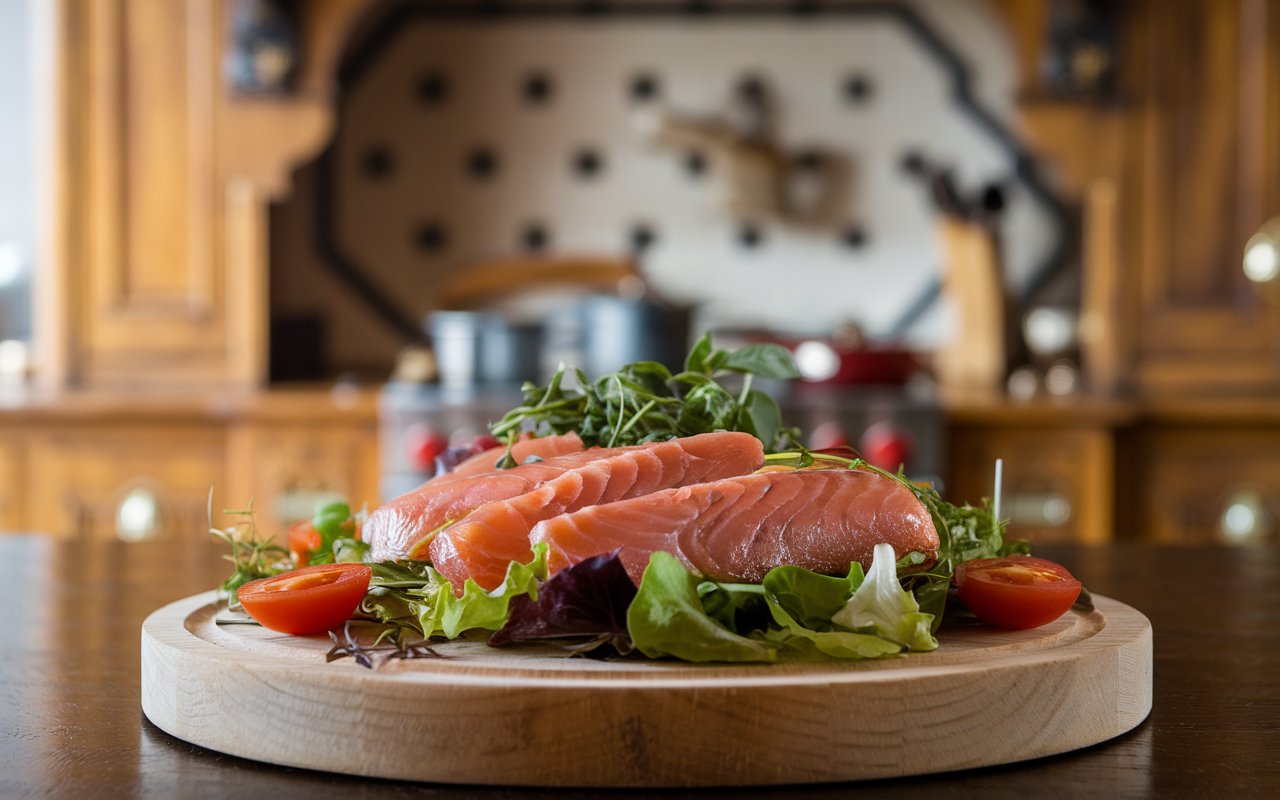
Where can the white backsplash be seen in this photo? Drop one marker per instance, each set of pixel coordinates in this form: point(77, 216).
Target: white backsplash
point(796, 280)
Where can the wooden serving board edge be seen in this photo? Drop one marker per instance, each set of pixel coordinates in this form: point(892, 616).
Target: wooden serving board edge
point(684, 725)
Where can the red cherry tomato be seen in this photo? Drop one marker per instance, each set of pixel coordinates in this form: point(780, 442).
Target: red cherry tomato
point(303, 541)
point(424, 446)
point(307, 600)
point(485, 441)
point(887, 446)
point(1016, 592)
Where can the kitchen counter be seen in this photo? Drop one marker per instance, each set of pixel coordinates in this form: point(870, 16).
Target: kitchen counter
point(72, 722)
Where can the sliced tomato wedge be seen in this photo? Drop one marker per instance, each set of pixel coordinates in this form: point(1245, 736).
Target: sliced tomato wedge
point(307, 600)
point(1017, 591)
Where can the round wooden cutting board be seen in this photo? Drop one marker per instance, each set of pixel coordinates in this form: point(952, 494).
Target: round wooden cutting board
point(532, 716)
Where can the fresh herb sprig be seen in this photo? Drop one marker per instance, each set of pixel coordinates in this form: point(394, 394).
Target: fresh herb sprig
point(645, 402)
point(251, 556)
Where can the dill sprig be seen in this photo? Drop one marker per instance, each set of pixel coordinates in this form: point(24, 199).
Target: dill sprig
point(252, 556)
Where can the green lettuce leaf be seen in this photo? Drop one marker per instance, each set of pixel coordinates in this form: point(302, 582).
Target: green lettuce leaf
point(667, 618)
point(803, 604)
point(414, 595)
point(880, 606)
point(806, 598)
point(807, 644)
point(446, 613)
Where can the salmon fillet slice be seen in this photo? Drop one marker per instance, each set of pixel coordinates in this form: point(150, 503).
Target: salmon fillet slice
point(395, 527)
point(542, 447)
point(484, 543)
point(737, 529)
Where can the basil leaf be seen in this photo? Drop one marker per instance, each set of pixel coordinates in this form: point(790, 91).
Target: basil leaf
point(709, 407)
point(696, 361)
point(765, 360)
point(760, 416)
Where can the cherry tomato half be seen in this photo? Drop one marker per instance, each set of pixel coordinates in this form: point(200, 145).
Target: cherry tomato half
point(304, 540)
point(1016, 592)
point(307, 600)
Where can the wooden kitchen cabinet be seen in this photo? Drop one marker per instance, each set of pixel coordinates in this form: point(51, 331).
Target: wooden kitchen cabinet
point(12, 482)
point(134, 481)
point(96, 467)
point(1057, 479)
point(1192, 481)
point(1206, 164)
point(1059, 455)
point(295, 467)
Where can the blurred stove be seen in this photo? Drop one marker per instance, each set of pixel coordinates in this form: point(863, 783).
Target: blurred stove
point(889, 425)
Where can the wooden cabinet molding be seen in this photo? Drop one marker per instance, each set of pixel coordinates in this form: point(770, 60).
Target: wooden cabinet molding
point(156, 234)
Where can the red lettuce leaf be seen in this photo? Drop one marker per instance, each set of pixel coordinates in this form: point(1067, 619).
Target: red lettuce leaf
point(589, 599)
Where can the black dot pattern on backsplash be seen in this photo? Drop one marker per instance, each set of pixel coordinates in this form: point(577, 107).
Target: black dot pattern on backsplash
point(750, 237)
point(482, 163)
point(432, 89)
point(377, 162)
point(808, 160)
point(854, 237)
point(642, 237)
point(587, 163)
point(858, 89)
point(695, 164)
point(430, 237)
point(535, 237)
point(512, 127)
point(752, 88)
point(645, 87)
point(538, 88)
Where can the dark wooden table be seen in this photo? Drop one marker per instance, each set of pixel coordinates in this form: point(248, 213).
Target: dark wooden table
point(71, 723)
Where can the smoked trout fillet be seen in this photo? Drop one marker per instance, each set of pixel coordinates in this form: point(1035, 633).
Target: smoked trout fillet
point(485, 542)
point(737, 529)
point(396, 526)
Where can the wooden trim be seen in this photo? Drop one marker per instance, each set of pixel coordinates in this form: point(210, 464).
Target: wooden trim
point(247, 270)
point(202, 42)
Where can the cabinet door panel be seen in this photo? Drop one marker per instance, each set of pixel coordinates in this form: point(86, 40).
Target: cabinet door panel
point(1205, 485)
point(144, 303)
point(1211, 177)
point(1057, 481)
point(125, 481)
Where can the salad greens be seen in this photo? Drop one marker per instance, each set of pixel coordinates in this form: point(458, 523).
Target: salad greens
point(964, 532)
point(412, 597)
point(792, 613)
point(252, 556)
point(645, 402)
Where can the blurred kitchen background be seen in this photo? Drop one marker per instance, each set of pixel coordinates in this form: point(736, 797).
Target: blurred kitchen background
point(297, 249)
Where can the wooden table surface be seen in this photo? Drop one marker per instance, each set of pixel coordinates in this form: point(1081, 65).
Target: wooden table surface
point(71, 723)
